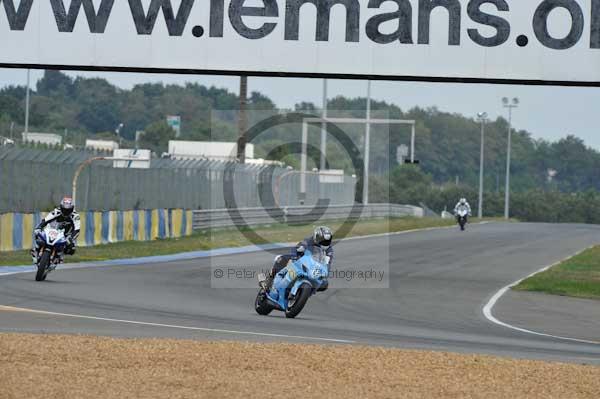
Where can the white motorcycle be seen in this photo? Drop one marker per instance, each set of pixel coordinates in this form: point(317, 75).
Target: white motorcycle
point(51, 246)
point(461, 217)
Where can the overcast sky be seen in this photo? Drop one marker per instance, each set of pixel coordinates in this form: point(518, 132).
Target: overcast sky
point(548, 112)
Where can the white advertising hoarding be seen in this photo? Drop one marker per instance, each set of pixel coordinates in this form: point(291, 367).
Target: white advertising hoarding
point(136, 159)
point(331, 176)
point(215, 150)
point(491, 40)
point(42, 138)
point(101, 145)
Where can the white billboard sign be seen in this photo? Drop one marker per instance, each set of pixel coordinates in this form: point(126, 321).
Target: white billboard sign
point(215, 150)
point(331, 176)
point(135, 159)
point(491, 40)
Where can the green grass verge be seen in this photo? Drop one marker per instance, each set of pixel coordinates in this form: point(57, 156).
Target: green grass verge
point(577, 277)
point(224, 238)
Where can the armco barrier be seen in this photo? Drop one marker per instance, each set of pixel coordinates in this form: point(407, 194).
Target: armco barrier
point(101, 227)
point(211, 218)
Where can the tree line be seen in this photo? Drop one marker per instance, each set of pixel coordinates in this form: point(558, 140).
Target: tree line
point(409, 184)
point(447, 144)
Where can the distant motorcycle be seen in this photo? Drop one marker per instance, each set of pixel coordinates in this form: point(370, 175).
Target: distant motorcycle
point(51, 243)
point(461, 217)
point(294, 284)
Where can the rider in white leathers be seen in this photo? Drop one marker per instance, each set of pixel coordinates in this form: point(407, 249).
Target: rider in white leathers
point(462, 203)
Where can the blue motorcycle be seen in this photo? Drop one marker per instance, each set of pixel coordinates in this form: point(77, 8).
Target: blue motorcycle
point(51, 243)
point(294, 284)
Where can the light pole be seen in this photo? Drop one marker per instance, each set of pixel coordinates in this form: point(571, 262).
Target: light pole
point(510, 105)
point(482, 118)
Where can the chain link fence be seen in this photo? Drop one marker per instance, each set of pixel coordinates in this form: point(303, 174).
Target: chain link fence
point(35, 180)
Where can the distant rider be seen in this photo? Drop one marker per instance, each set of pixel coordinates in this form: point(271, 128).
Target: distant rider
point(65, 214)
point(462, 204)
point(322, 237)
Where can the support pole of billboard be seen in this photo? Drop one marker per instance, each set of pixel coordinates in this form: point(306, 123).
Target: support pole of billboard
point(27, 105)
point(242, 120)
point(303, 162)
point(324, 128)
point(365, 196)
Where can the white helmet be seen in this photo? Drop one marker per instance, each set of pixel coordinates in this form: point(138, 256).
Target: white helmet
point(463, 201)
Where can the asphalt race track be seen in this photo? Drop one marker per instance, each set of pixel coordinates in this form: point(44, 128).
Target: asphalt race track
point(439, 282)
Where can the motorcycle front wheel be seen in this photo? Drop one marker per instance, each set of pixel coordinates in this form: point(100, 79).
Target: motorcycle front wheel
point(42, 267)
point(261, 303)
point(296, 304)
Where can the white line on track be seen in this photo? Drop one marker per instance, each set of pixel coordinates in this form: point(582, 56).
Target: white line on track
point(487, 309)
point(143, 323)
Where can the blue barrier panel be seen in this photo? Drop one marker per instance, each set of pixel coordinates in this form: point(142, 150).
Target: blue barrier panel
point(37, 218)
point(184, 223)
point(136, 225)
point(161, 223)
point(105, 227)
point(17, 232)
point(148, 216)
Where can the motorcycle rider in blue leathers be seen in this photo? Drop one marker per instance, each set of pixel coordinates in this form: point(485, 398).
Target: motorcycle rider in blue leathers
point(322, 237)
point(66, 215)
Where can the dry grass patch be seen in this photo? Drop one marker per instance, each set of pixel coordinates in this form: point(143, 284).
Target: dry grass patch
point(36, 366)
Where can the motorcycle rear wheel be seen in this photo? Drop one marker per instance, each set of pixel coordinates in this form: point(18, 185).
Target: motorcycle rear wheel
point(300, 299)
point(42, 267)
